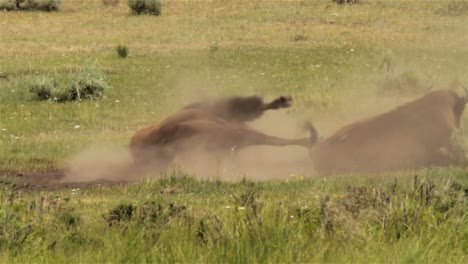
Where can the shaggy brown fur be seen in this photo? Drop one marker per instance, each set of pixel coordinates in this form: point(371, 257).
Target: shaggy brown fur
point(414, 135)
point(215, 127)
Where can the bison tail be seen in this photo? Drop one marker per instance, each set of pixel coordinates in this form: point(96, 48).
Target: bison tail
point(313, 132)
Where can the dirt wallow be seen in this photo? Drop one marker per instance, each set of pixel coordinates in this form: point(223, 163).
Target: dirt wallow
point(415, 135)
point(214, 127)
point(46, 180)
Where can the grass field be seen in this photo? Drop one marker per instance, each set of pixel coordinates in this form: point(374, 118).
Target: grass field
point(329, 57)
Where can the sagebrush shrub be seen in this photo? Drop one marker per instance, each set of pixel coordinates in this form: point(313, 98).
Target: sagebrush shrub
point(346, 1)
point(7, 5)
point(150, 7)
point(43, 87)
point(122, 50)
point(42, 5)
point(89, 83)
point(456, 8)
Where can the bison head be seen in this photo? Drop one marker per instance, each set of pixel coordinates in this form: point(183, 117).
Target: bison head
point(280, 102)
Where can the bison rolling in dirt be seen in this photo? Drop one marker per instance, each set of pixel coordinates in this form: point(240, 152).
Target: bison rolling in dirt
point(215, 127)
point(415, 135)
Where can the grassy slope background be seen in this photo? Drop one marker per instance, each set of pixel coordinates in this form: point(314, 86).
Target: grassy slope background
point(328, 57)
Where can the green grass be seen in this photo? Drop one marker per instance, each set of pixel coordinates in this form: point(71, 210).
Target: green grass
point(389, 218)
point(217, 48)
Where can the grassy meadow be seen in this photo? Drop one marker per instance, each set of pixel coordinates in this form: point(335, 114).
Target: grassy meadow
point(339, 62)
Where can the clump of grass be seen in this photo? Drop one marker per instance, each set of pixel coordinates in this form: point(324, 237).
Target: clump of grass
point(149, 7)
point(30, 5)
point(120, 213)
point(112, 3)
point(122, 51)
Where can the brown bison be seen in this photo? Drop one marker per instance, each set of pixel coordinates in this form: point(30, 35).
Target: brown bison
point(217, 127)
point(415, 135)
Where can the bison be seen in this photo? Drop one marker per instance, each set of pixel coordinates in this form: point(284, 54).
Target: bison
point(216, 127)
point(415, 135)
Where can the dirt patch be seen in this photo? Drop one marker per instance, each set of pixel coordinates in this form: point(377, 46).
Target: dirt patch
point(47, 180)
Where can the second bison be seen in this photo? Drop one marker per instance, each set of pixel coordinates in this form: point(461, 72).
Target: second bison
point(415, 135)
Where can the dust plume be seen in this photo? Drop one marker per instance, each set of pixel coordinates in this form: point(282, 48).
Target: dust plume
point(101, 164)
point(255, 162)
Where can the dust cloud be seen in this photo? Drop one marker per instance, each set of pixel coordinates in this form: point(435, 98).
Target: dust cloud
point(255, 162)
point(115, 164)
point(101, 163)
point(104, 163)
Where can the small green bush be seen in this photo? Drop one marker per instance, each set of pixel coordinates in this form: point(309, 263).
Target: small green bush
point(43, 87)
point(44, 5)
point(89, 83)
point(31, 5)
point(122, 50)
point(150, 7)
point(8, 5)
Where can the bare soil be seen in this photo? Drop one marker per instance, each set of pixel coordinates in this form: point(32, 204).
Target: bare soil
point(46, 180)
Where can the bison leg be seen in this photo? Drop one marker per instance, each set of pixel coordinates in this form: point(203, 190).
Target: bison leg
point(220, 136)
point(249, 137)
